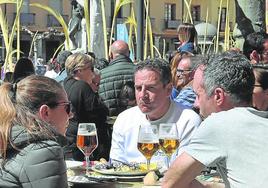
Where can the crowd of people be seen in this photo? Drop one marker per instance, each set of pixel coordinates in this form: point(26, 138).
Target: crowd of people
point(219, 103)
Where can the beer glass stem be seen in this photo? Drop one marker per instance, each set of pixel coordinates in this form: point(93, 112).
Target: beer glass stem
point(87, 165)
point(148, 164)
point(168, 161)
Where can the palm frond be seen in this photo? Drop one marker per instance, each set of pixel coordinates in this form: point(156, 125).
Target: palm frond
point(60, 19)
point(206, 31)
point(8, 1)
point(164, 48)
point(4, 27)
point(32, 43)
point(150, 32)
point(218, 29)
point(57, 50)
point(188, 6)
point(157, 51)
point(227, 29)
point(18, 33)
point(8, 58)
point(104, 29)
point(146, 32)
point(132, 23)
point(118, 5)
point(86, 8)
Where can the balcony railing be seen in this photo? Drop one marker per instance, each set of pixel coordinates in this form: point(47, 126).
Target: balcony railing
point(52, 21)
point(172, 24)
point(26, 18)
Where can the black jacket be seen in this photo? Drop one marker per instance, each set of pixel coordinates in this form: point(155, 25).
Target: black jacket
point(113, 77)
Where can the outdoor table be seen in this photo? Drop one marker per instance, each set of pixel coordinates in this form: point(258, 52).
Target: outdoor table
point(210, 179)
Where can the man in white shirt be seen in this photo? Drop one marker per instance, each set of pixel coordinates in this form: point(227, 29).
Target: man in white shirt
point(152, 88)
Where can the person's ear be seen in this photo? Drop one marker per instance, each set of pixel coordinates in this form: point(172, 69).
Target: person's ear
point(44, 112)
point(219, 96)
point(169, 88)
point(111, 56)
point(254, 56)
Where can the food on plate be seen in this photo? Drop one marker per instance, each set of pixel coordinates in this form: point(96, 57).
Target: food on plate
point(102, 160)
point(150, 178)
point(123, 167)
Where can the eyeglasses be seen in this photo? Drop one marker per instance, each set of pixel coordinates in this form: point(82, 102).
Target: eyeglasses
point(67, 105)
point(183, 72)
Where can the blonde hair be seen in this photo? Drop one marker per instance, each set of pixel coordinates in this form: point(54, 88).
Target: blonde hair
point(77, 61)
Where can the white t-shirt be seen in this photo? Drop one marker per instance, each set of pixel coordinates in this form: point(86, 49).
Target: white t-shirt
point(126, 128)
point(51, 74)
point(236, 141)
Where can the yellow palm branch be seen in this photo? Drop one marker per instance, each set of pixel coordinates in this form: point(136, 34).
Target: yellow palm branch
point(218, 29)
point(132, 24)
point(18, 32)
point(4, 27)
point(104, 29)
point(146, 31)
point(205, 37)
point(188, 5)
point(8, 1)
point(118, 5)
point(60, 19)
point(150, 32)
point(86, 8)
point(8, 58)
point(164, 48)
point(227, 29)
point(57, 50)
point(157, 51)
point(32, 43)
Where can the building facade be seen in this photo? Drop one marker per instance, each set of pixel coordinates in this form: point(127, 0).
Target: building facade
point(165, 16)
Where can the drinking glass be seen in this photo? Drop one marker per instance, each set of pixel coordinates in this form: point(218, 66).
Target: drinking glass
point(148, 142)
point(87, 140)
point(168, 139)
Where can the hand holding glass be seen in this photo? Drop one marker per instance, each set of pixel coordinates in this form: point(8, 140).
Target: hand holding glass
point(87, 140)
point(148, 141)
point(168, 139)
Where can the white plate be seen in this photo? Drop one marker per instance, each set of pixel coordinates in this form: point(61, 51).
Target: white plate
point(79, 179)
point(73, 164)
point(120, 173)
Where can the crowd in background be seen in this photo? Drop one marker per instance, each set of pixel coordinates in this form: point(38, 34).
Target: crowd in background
point(92, 89)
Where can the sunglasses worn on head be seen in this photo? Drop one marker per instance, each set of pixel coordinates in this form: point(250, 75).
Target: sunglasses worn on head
point(67, 106)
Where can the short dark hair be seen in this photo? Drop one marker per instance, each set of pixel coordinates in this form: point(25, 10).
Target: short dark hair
point(232, 72)
point(254, 41)
point(62, 56)
point(261, 74)
point(159, 65)
point(23, 68)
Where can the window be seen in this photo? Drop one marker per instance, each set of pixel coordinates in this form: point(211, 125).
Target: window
point(25, 6)
point(195, 11)
point(170, 11)
point(56, 5)
point(222, 19)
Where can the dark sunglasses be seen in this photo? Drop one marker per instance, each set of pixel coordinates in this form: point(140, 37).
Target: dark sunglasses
point(67, 106)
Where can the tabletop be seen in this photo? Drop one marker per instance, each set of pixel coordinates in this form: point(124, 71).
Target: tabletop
point(77, 179)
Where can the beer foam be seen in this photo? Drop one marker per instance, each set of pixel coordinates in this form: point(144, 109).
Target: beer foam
point(86, 133)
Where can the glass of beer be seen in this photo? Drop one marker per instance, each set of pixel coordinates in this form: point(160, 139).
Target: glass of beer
point(148, 142)
point(87, 140)
point(168, 139)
